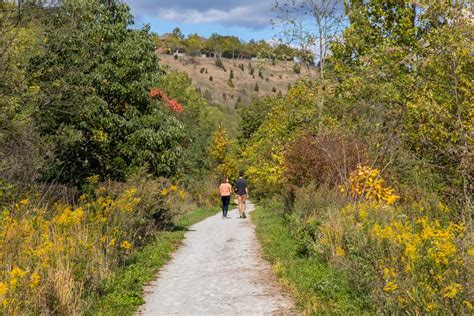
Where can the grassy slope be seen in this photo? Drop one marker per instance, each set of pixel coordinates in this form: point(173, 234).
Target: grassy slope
point(318, 288)
point(243, 81)
point(123, 292)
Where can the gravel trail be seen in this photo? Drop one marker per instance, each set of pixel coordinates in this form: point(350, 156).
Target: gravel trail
point(217, 271)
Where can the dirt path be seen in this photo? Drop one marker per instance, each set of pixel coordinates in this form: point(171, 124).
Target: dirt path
point(218, 271)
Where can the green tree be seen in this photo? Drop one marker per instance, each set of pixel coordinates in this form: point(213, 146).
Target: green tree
point(405, 69)
point(194, 44)
point(177, 33)
point(94, 107)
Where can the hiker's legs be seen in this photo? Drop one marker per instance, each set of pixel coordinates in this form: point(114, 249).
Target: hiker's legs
point(244, 199)
point(239, 199)
point(225, 205)
point(223, 199)
point(242, 204)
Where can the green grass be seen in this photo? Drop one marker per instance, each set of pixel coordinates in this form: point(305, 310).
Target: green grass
point(317, 287)
point(122, 293)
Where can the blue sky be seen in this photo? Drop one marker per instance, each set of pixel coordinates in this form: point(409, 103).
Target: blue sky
point(247, 19)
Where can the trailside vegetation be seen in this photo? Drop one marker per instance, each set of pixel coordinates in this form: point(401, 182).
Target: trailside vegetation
point(102, 153)
point(378, 183)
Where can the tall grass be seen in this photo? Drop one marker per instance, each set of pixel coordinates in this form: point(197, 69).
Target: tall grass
point(56, 254)
point(405, 257)
point(318, 287)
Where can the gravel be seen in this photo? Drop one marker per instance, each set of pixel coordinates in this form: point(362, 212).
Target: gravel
point(217, 271)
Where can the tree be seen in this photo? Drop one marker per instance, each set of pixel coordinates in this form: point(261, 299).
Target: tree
point(194, 44)
point(312, 24)
point(215, 45)
point(94, 106)
point(404, 68)
point(231, 44)
point(177, 33)
point(22, 150)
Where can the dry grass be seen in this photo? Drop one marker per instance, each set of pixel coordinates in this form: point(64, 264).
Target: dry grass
point(279, 76)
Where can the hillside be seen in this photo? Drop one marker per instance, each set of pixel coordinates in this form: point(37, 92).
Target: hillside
point(213, 81)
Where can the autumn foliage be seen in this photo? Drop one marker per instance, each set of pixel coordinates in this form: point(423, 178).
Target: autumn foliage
point(173, 104)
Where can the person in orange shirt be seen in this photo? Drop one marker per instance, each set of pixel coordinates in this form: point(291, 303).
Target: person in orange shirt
point(225, 190)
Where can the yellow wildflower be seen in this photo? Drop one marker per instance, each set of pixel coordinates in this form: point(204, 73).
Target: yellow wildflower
point(17, 272)
point(93, 179)
point(452, 290)
point(431, 306)
point(340, 252)
point(35, 280)
point(3, 288)
point(126, 245)
point(390, 286)
point(468, 305)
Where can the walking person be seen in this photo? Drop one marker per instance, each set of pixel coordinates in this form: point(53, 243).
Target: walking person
point(242, 193)
point(225, 190)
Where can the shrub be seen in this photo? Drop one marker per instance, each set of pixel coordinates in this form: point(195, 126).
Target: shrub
point(54, 254)
point(231, 75)
point(230, 83)
point(409, 259)
point(241, 66)
point(220, 64)
point(202, 70)
point(210, 78)
point(296, 68)
point(317, 159)
point(256, 88)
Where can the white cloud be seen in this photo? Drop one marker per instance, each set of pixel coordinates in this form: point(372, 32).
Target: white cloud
point(246, 13)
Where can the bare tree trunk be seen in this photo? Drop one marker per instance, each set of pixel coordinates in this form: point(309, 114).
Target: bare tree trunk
point(321, 72)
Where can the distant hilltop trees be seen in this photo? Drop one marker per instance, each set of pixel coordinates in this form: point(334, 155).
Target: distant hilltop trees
point(220, 46)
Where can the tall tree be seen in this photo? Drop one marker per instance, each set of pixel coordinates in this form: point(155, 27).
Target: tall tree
point(313, 25)
point(93, 104)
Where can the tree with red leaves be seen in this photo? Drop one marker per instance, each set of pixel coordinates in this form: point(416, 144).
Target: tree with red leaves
point(173, 104)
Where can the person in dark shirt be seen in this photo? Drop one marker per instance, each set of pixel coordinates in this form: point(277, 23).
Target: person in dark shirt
point(242, 193)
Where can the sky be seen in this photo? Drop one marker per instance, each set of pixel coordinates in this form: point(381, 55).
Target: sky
point(246, 19)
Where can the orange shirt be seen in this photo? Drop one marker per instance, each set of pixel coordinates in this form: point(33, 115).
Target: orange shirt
point(225, 189)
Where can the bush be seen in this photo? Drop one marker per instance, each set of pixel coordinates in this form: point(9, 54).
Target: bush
point(256, 88)
point(220, 64)
point(231, 75)
point(210, 78)
point(410, 258)
point(230, 83)
point(57, 252)
point(317, 159)
point(296, 68)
